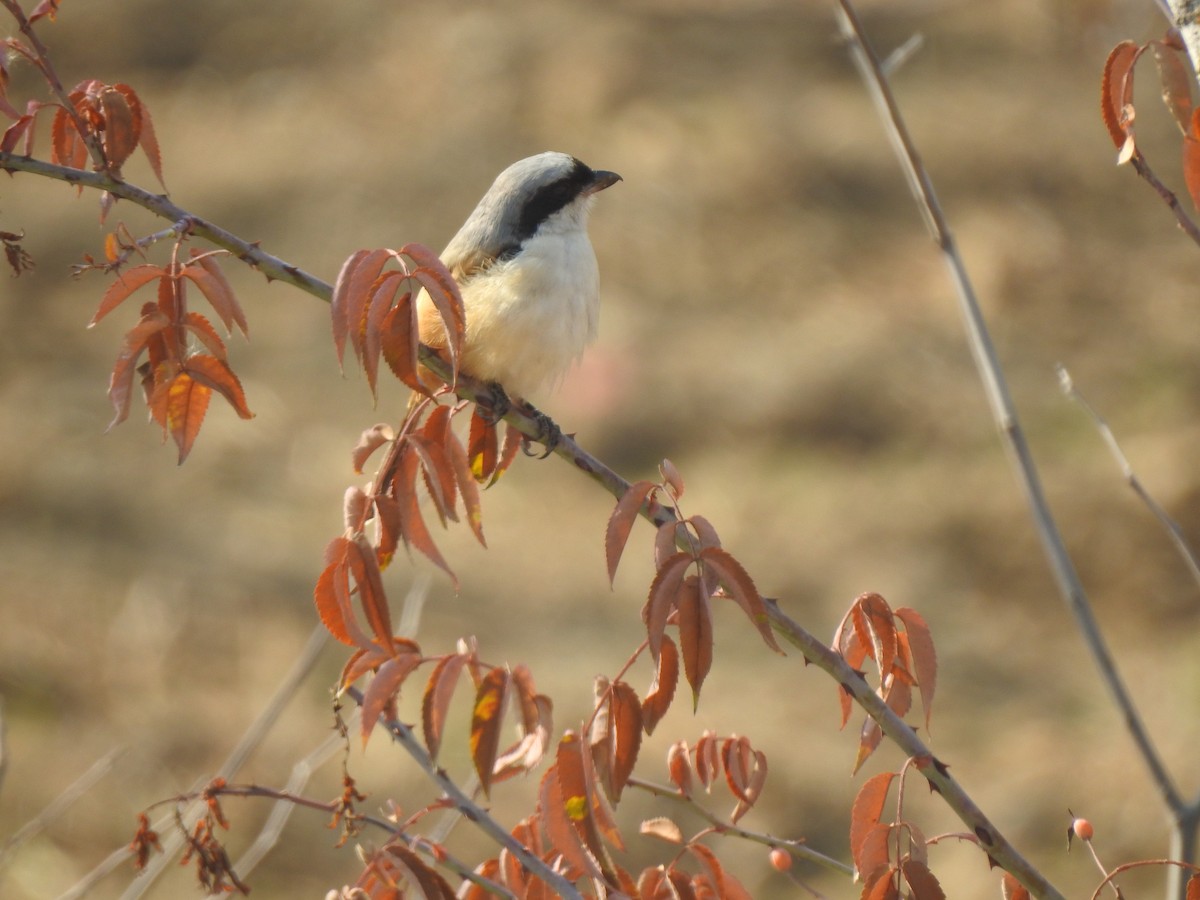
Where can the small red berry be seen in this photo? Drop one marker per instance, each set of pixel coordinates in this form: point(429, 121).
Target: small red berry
point(1083, 829)
point(781, 860)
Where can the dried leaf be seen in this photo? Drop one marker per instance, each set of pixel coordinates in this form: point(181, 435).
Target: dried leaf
point(435, 703)
point(695, 634)
point(203, 270)
point(679, 767)
point(1176, 83)
point(127, 282)
point(216, 375)
point(924, 657)
point(708, 759)
point(740, 586)
point(430, 883)
point(122, 127)
point(664, 592)
point(482, 446)
point(364, 568)
point(1116, 89)
point(558, 820)
point(468, 487)
point(867, 811)
point(385, 685)
point(662, 828)
point(671, 477)
point(626, 712)
point(486, 719)
point(921, 881)
point(620, 523)
point(662, 689)
point(368, 442)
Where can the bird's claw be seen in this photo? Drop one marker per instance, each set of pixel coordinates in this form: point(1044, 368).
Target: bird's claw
point(549, 435)
point(494, 404)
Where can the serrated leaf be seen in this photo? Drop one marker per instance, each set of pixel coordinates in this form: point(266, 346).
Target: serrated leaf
point(351, 295)
point(384, 687)
point(627, 735)
point(620, 523)
point(398, 342)
point(122, 127)
point(186, 405)
point(740, 586)
point(364, 568)
point(695, 634)
point(921, 881)
point(873, 854)
point(487, 716)
point(559, 824)
point(203, 271)
point(468, 487)
point(664, 594)
point(435, 703)
point(216, 375)
point(1116, 89)
point(679, 767)
point(924, 656)
point(427, 880)
point(120, 384)
point(482, 446)
point(867, 810)
point(662, 690)
point(127, 282)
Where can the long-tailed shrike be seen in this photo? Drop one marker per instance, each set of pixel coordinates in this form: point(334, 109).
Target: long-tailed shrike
point(528, 275)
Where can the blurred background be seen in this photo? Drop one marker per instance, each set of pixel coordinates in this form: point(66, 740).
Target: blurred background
point(775, 320)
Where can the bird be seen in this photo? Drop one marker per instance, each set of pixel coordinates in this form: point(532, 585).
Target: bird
point(528, 277)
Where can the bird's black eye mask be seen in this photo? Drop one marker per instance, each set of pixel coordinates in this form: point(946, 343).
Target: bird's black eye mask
point(550, 198)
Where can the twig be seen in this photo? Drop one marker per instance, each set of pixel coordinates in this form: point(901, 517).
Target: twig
point(720, 826)
point(489, 826)
point(1173, 530)
point(59, 804)
point(1003, 410)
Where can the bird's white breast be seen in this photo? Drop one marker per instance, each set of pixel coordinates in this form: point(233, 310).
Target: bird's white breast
point(530, 317)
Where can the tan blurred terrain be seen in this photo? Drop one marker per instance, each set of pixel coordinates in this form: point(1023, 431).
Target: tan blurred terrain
point(775, 321)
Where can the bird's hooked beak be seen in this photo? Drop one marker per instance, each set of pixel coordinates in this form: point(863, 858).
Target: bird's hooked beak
point(602, 180)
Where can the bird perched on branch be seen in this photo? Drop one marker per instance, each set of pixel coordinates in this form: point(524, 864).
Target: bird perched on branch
point(528, 276)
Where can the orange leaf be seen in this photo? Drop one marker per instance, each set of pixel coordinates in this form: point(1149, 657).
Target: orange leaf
point(662, 689)
point(1191, 160)
point(872, 857)
point(203, 270)
point(126, 283)
point(482, 446)
point(147, 140)
point(620, 523)
point(754, 785)
point(867, 811)
point(924, 657)
point(202, 329)
point(412, 525)
point(876, 628)
point(740, 586)
point(428, 881)
point(436, 701)
point(330, 610)
point(1116, 89)
point(664, 593)
point(486, 719)
point(215, 374)
point(186, 403)
point(679, 767)
point(868, 741)
point(708, 759)
point(576, 788)
point(728, 887)
point(1193, 888)
point(695, 634)
point(339, 306)
point(508, 453)
point(384, 688)
point(1011, 889)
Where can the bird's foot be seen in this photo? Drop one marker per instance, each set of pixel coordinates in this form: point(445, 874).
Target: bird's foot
point(494, 405)
point(549, 435)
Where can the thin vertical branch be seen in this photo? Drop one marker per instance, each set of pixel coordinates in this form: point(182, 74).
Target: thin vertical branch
point(1003, 409)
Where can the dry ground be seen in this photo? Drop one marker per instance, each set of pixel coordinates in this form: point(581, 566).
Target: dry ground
point(775, 321)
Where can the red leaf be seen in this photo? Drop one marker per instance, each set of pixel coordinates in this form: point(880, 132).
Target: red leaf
point(1116, 89)
point(384, 688)
point(1193, 888)
point(662, 689)
point(871, 859)
point(867, 811)
point(664, 593)
point(620, 523)
point(428, 881)
point(126, 283)
point(120, 384)
point(382, 298)
point(679, 767)
point(215, 374)
point(482, 446)
point(398, 341)
point(364, 567)
point(1011, 889)
point(924, 657)
point(740, 586)
point(557, 820)
point(468, 488)
point(122, 126)
point(708, 759)
point(508, 453)
point(436, 701)
point(921, 881)
point(339, 305)
point(149, 140)
point(627, 735)
point(202, 329)
point(576, 795)
point(695, 634)
point(486, 719)
point(1176, 83)
point(331, 611)
point(412, 525)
